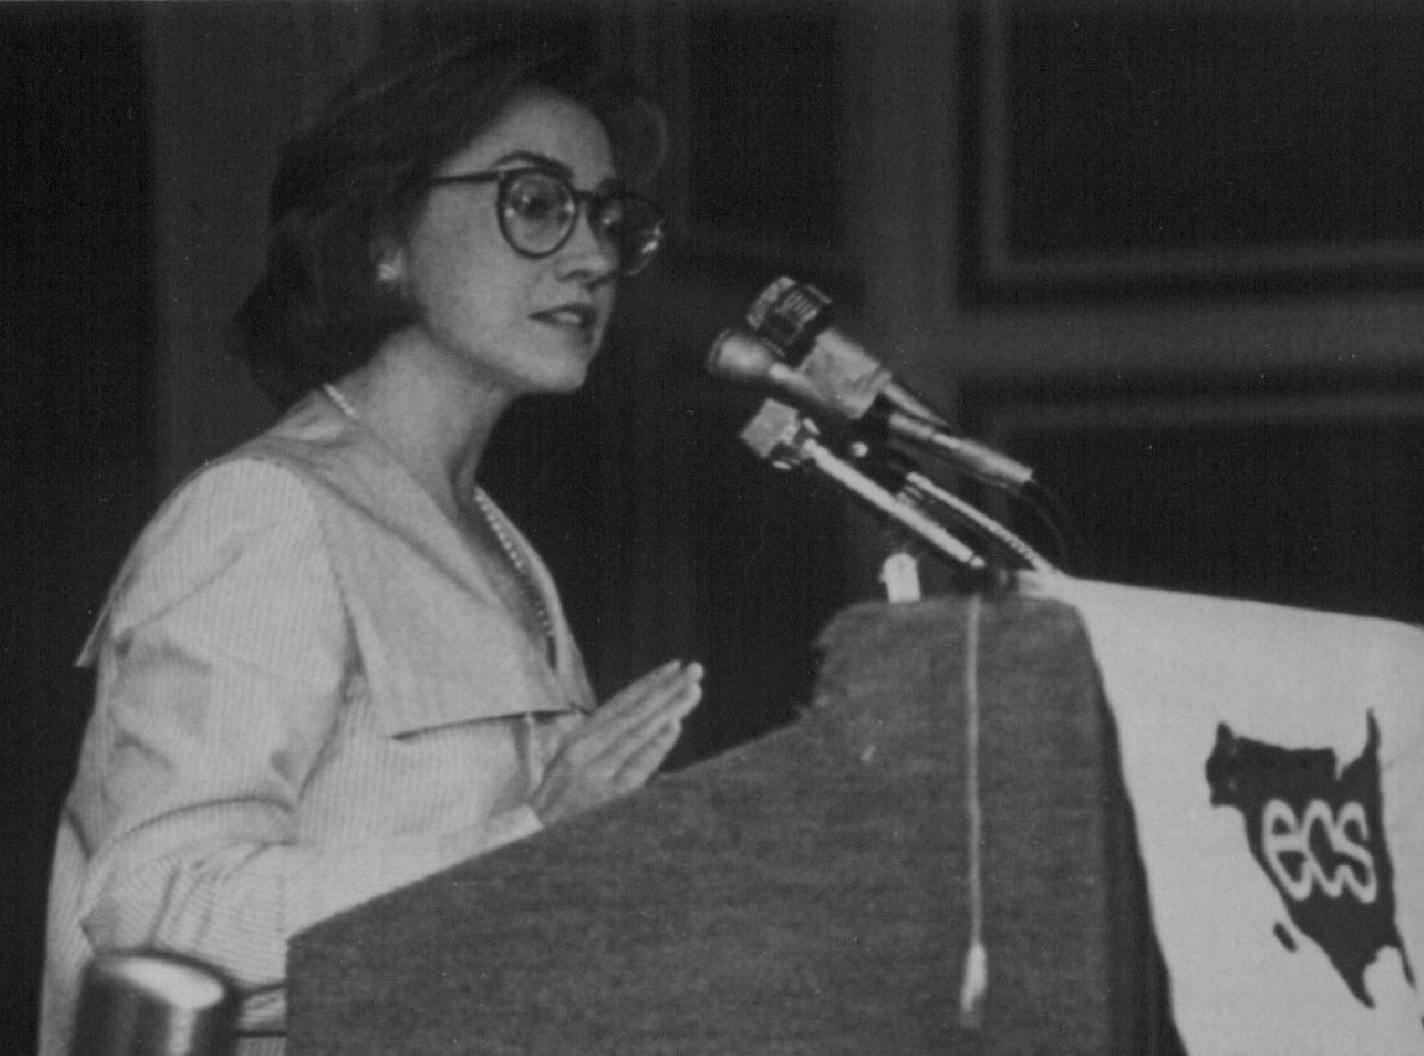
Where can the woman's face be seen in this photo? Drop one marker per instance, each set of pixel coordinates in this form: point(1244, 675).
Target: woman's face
point(519, 324)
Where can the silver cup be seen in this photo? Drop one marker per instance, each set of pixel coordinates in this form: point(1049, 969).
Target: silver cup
point(143, 1003)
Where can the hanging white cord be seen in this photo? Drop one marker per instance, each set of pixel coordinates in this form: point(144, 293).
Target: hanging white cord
point(974, 985)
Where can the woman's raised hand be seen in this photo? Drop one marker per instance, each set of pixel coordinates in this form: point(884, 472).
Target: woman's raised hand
point(620, 745)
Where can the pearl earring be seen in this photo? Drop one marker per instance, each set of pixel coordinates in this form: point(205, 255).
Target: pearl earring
point(387, 273)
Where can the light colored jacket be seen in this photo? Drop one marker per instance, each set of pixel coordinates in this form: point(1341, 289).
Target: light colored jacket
point(309, 693)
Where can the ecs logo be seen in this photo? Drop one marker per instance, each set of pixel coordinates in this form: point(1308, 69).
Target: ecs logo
point(1288, 845)
point(1319, 837)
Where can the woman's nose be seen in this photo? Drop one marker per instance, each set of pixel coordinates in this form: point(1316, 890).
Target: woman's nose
point(588, 253)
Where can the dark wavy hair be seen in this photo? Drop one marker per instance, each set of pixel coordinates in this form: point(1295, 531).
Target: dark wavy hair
point(358, 175)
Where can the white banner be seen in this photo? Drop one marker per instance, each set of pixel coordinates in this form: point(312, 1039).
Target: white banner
point(1275, 762)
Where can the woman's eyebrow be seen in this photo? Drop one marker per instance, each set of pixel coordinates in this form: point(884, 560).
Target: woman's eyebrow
point(543, 161)
point(530, 157)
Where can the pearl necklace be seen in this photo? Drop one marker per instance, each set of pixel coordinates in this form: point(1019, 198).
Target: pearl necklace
point(499, 528)
point(502, 533)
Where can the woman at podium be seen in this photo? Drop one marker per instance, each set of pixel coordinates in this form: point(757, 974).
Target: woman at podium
point(331, 665)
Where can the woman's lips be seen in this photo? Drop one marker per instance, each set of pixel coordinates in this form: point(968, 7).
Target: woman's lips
point(578, 316)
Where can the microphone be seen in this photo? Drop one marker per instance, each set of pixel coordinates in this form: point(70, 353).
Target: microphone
point(796, 318)
point(739, 355)
point(834, 373)
point(780, 435)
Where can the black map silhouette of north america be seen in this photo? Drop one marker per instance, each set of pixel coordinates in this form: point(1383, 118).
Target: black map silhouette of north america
point(1351, 915)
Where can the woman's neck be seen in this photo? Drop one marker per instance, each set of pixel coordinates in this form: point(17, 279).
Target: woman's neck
point(437, 425)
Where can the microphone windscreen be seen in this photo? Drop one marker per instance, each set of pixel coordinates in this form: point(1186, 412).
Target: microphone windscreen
point(790, 314)
point(739, 356)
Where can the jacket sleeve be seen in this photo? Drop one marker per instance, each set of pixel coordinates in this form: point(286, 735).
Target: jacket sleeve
point(222, 660)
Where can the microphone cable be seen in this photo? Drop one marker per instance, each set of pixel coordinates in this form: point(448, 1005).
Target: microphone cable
point(1053, 515)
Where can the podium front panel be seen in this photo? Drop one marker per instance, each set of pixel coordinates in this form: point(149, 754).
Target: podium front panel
point(807, 894)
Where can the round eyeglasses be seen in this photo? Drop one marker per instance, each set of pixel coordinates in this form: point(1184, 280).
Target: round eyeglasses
point(538, 210)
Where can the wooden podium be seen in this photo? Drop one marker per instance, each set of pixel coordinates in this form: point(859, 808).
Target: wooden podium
point(806, 894)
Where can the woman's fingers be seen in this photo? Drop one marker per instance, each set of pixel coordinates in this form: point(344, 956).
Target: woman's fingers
point(617, 727)
point(647, 689)
point(619, 746)
point(666, 709)
point(640, 764)
point(634, 749)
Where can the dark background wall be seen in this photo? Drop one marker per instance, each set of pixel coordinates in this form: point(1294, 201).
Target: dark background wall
point(1037, 213)
point(77, 341)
